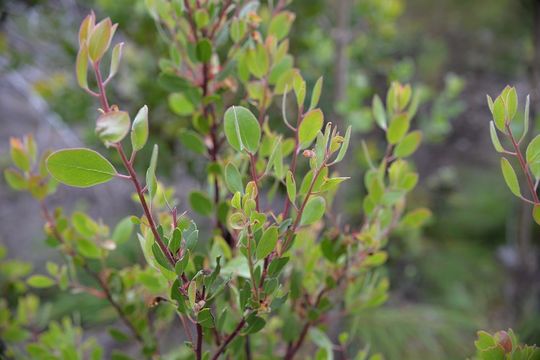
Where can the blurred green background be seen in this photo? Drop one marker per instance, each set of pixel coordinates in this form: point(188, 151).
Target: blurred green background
point(475, 266)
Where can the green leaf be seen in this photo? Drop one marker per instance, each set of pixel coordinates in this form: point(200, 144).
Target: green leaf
point(267, 243)
point(309, 127)
point(536, 214)
point(526, 119)
point(533, 156)
point(139, 129)
point(313, 211)
point(316, 94)
point(115, 59)
point(254, 324)
point(510, 177)
point(499, 114)
point(151, 181)
point(397, 129)
point(160, 257)
point(344, 145)
point(123, 230)
point(81, 67)
point(409, 144)
point(192, 291)
point(193, 141)
point(242, 129)
point(416, 218)
point(80, 167)
point(180, 104)
point(511, 103)
point(88, 248)
point(490, 103)
point(205, 319)
point(280, 25)
point(112, 127)
point(15, 180)
point(291, 187)
point(258, 61)
point(233, 179)
point(494, 137)
point(40, 281)
point(200, 203)
point(203, 50)
point(379, 112)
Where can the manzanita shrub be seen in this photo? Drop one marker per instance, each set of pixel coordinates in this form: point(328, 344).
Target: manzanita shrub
point(504, 110)
point(279, 274)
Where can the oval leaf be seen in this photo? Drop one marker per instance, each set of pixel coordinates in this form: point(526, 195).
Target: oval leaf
point(510, 177)
point(80, 167)
point(233, 178)
point(139, 129)
point(409, 144)
point(242, 129)
point(267, 243)
point(200, 203)
point(379, 113)
point(112, 127)
point(309, 127)
point(313, 211)
point(40, 281)
point(533, 156)
point(397, 129)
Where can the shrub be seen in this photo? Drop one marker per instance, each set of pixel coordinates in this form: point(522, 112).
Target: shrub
point(279, 267)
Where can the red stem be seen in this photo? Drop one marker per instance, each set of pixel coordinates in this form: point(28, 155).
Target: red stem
point(230, 338)
point(147, 212)
point(255, 178)
point(523, 164)
point(198, 348)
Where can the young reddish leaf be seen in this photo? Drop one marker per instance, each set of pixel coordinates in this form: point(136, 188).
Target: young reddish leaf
point(81, 67)
point(100, 39)
point(19, 154)
point(86, 28)
point(80, 167)
point(112, 127)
